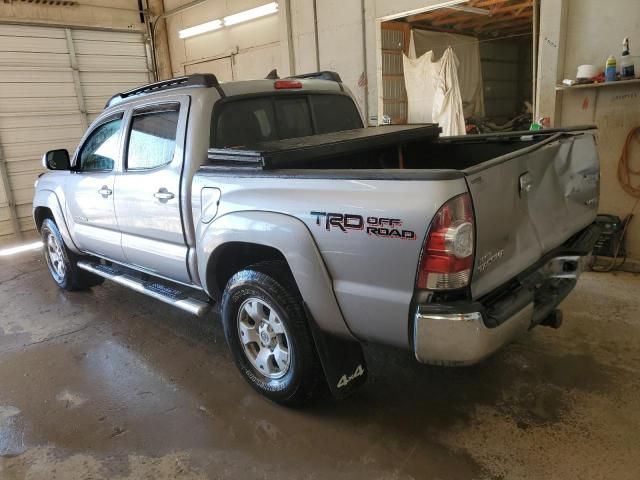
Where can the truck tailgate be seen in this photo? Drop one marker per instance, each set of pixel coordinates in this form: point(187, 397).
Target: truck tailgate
point(530, 201)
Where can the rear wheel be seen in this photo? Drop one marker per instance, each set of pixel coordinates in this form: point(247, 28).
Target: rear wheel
point(267, 331)
point(62, 262)
point(264, 338)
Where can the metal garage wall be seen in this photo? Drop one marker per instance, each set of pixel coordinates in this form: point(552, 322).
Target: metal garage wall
point(253, 48)
point(53, 82)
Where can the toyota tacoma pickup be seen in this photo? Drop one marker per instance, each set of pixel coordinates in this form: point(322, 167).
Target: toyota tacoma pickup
point(270, 202)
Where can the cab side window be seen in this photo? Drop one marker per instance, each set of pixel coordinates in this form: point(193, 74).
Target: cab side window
point(101, 149)
point(152, 140)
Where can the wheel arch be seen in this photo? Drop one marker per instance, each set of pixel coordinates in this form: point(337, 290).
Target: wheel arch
point(244, 238)
point(46, 205)
point(40, 214)
point(233, 256)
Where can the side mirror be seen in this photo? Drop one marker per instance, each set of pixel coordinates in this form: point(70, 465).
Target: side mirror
point(57, 160)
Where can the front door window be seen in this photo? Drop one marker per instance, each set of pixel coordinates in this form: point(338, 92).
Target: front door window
point(100, 149)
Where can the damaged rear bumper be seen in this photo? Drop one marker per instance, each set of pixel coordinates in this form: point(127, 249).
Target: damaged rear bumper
point(463, 338)
point(465, 332)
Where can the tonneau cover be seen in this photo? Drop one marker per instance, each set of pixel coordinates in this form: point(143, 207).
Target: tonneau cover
point(287, 153)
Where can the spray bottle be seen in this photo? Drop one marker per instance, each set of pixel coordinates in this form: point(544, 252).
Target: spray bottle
point(627, 70)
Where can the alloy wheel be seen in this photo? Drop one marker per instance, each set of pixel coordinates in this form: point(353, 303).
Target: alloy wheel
point(55, 258)
point(264, 338)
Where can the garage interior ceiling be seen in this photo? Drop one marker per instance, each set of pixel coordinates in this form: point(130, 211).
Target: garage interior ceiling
point(507, 17)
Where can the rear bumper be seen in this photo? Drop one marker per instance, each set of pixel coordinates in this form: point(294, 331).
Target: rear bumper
point(464, 333)
point(463, 338)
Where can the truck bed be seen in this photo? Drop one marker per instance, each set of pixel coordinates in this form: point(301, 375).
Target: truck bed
point(317, 151)
point(387, 147)
point(531, 191)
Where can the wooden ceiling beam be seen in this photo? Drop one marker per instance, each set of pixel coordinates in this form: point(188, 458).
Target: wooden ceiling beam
point(443, 12)
point(492, 21)
point(496, 19)
point(505, 15)
point(507, 20)
point(489, 3)
point(518, 8)
point(458, 17)
point(395, 25)
point(466, 24)
point(489, 29)
point(466, 17)
point(431, 28)
point(431, 15)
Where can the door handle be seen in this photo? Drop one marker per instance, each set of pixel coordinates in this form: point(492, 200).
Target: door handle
point(163, 195)
point(526, 182)
point(105, 191)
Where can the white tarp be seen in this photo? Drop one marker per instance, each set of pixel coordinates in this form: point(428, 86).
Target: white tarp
point(447, 101)
point(419, 76)
point(467, 50)
point(433, 92)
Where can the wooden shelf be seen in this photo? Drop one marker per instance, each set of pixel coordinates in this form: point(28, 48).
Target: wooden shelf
point(618, 83)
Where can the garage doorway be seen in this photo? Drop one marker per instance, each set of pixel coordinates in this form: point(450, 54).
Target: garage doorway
point(493, 41)
point(53, 82)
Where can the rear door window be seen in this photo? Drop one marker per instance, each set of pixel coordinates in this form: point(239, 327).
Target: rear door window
point(152, 139)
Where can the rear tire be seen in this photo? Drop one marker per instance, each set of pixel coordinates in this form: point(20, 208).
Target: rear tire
point(63, 263)
point(267, 332)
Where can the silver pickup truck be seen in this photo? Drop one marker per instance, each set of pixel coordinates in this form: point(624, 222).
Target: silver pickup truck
point(269, 200)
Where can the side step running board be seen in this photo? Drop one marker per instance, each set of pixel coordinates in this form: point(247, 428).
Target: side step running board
point(156, 288)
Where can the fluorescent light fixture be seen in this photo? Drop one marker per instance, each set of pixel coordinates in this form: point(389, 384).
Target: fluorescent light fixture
point(20, 248)
point(418, 11)
point(245, 16)
point(463, 8)
point(199, 29)
point(261, 11)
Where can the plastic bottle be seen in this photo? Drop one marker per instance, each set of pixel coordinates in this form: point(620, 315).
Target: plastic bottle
point(627, 70)
point(610, 69)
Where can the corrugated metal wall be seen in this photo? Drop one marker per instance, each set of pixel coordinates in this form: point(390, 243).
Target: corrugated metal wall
point(393, 89)
point(53, 82)
point(506, 72)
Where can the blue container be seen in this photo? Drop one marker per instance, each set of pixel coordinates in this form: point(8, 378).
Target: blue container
point(610, 69)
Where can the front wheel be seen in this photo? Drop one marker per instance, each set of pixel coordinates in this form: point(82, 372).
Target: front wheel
point(62, 262)
point(267, 331)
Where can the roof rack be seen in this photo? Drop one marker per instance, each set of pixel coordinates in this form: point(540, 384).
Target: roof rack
point(207, 80)
point(323, 75)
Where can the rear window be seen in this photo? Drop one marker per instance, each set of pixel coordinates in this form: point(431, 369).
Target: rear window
point(249, 121)
point(334, 113)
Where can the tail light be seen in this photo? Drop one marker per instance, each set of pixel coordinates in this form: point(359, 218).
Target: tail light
point(447, 254)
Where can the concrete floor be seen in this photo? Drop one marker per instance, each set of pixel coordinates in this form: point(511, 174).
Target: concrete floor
point(110, 384)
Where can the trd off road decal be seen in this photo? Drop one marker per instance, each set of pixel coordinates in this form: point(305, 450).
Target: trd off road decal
point(378, 226)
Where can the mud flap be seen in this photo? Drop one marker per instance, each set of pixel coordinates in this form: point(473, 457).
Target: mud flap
point(342, 361)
